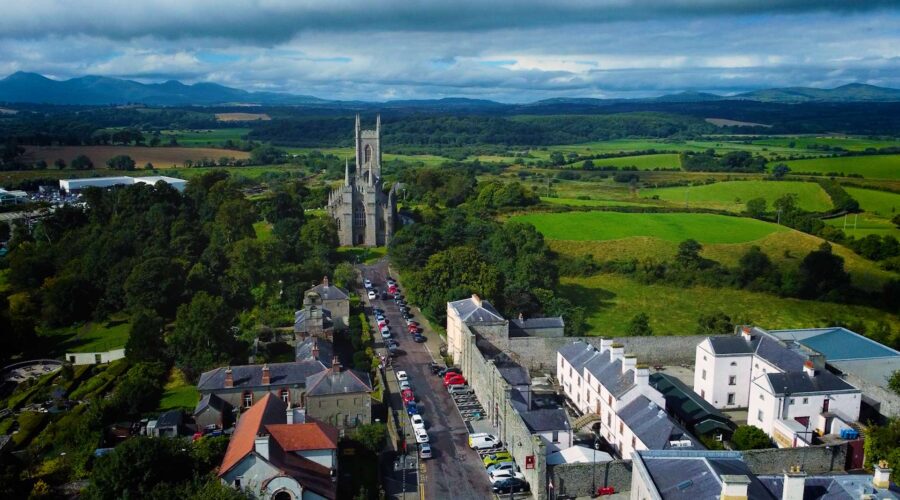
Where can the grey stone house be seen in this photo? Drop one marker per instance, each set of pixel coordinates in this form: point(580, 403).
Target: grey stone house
point(364, 213)
point(325, 308)
point(213, 411)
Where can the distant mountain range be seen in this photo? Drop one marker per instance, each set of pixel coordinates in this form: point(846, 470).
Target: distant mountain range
point(22, 87)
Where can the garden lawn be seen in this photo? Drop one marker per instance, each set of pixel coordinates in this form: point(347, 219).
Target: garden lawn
point(93, 336)
point(870, 167)
point(178, 393)
point(612, 300)
point(677, 227)
point(362, 254)
point(733, 195)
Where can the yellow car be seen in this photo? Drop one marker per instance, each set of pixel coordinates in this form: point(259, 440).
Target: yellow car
point(496, 458)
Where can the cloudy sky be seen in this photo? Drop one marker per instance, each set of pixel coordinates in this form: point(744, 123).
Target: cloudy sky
point(507, 50)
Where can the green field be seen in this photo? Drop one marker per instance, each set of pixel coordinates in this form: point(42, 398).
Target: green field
point(575, 202)
point(734, 195)
point(599, 226)
point(642, 162)
point(205, 138)
point(612, 300)
point(263, 230)
point(178, 393)
point(870, 167)
point(864, 224)
point(881, 203)
point(848, 143)
point(93, 336)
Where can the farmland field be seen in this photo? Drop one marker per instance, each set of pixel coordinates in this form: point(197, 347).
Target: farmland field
point(848, 143)
point(242, 117)
point(575, 202)
point(160, 157)
point(205, 138)
point(881, 203)
point(612, 300)
point(864, 224)
point(733, 196)
point(677, 227)
point(874, 167)
point(642, 162)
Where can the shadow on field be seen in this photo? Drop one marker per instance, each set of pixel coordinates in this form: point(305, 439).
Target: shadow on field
point(596, 299)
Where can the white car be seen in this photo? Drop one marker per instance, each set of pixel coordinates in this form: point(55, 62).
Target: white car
point(504, 474)
point(404, 385)
point(391, 282)
point(385, 334)
point(485, 442)
point(368, 284)
point(401, 376)
point(417, 421)
point(424, 450)
point(372, 295)
point(422, 435)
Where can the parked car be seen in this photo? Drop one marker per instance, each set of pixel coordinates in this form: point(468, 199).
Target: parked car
point(502, 466)
point(417, 420)
point(412, 409)
point(410, 322)
point(392, 343)
point(484, 442)
point(457, 380)
point(401, 375)
point(510, 485)
point(496, 458)
point(378, 311)
point(459, 390)
point(476, 435)
point(412, 328)
point(419, 338)
point(384, 296)
point(371, 295)
point(390, 281)
point(451, 369)
point(385, 333)
point(367, 283)
point(424, 451)
point(500, 475)
point(435, 368)
point(407, 396)
point(405, 385)
point(421, 435)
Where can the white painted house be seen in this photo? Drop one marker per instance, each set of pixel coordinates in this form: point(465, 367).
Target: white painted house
point(785, 388)
point(611, 391)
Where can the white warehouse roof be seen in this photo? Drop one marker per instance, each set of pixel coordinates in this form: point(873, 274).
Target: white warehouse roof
point(69, 185)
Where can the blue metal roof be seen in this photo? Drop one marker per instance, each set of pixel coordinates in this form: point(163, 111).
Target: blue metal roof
point(838, 344)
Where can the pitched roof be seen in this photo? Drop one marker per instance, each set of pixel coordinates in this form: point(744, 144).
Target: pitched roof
point(833, 487)
point(250, 376)
point(470, 311)
point(539, 323)
point(268, 409)
point(514, 374)
point(330, 382)
point(732, 345)
point(212, 401)
point(170, 418)
point(697, 475)
point(690, 408)
point(304, 350)
point(609, 373)
point(329, 292)
point(764, 346)
point(577, 354)
point(300, 437)
point(651, 424)
point(801, 383)
point(540, 419)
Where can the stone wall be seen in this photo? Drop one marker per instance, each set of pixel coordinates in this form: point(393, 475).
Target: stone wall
point(537, 353)
point(812, 459)
point(885, 402)
point(576, 480)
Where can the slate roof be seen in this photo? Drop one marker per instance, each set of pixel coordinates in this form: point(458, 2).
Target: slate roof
point(212, 401)
point(696, 475)
point(250, 376)
point(470, 312)
point(345, 381)
point(171, 418)
point(762, 345)
point(329, 292)
point(688, 406)
point(577, 354)
point(651, 424)
point(539, 420)
point(610, 373)
point(732, 345)
point(304, 350)
point(843, 487)
point(801, 383)
point(515, 375)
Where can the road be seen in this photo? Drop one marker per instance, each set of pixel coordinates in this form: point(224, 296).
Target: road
point(455, 471)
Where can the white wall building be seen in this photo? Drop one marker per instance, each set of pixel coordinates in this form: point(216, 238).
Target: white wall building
point(75, 185)
point(776, 382)
point(609, 386)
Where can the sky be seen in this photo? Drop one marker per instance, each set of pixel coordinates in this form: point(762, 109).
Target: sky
point(505, 50)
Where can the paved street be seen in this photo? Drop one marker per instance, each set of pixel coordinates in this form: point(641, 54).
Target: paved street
point(455, 471)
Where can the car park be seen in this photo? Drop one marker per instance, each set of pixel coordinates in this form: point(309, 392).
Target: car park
point(496, 458)
point(407, 396)
point(510, 485)
point(421, 435)
point(500, 475)
point(401, 375)
point(371, 295)
point(424, 451)
point(417, 420)
point(484, 442)
point(412, 408)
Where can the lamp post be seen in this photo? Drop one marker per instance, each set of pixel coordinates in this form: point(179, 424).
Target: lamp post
point(594, 467)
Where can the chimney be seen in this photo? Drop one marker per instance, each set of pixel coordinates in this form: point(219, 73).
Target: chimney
point(616, 351)
point(476, 299)
point(521, 318)
point(642, 376)
point(604, 344)
point(261, 444)
point(809, 368)
point(734, 487)
point(325, 281)
point(882, 477)
point(289, 415)
point(629, 362)
point(229, 377)
point(335, 365)
point(746, 333)
point(794, 484)
point(818, 361)
point(265, 374)
point(315, 349)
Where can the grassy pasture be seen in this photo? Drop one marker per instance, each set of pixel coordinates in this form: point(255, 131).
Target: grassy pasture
point(242, 117)
point(848, 143)
point(642, 162)
point(734, 195)
point(612, 300)
point(675, 227)
point(93, 336)
point(575, 202)
point(160, 157)
point(205, 138)
point(864, 224)
point(875, 166)
point(179, 393)
point(881, 203)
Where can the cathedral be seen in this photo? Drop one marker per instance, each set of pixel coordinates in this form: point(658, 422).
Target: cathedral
point(364, 213)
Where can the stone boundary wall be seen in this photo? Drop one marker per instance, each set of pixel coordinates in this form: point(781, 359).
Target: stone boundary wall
point(576, 480)
point(537, 353)
point(888, 402)
point(819, 459)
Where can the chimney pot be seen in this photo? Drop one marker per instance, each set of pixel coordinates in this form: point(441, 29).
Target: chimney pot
point(325, 281)
point(521, 317)
point(335, 365)
point(229, 377)
point(809, 368)
point(476, 299)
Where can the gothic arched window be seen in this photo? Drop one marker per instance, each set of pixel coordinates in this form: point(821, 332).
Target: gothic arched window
point(368, 154)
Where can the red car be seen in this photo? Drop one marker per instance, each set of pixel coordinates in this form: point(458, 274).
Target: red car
point(412, 328)
point(457, 380)
point(407, 395)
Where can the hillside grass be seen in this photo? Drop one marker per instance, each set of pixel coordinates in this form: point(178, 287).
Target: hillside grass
point(848, 143)
point(642, 162)
point(874, 167)
point(179, 393)
point(733, 195)
point(93, 336)
point(881, 203)
point(575, 202)
point(864, 224)
point(612, 300)
point(675, 227)
point(160, 157)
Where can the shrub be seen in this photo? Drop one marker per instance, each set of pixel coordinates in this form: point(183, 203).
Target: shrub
point(749, 437)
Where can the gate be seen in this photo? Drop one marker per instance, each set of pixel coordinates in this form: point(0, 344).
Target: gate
point(855, 454)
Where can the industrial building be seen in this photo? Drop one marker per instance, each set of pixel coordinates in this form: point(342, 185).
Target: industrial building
point(76, 185)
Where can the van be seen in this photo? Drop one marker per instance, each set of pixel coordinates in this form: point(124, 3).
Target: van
point(485, 442)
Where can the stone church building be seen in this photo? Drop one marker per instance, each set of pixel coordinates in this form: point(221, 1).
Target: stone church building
point(364, 213)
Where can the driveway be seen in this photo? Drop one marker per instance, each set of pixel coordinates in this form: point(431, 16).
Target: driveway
point(455, 471)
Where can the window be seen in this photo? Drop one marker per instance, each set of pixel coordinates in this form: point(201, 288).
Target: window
point(732, 380)
point(237, 482)
point(805, 400)
point(608, 419)
point(368, 152)
point(248, 399)
point(731, 398)
point(599, 388)
point(734, 363)
point(792, 401)
point(703, 374)
point(759, 416)
point(704, 358)
point(756, 365)
point(570, 371)
point(762, 398)
point(555, 436)
point(286, 395)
